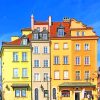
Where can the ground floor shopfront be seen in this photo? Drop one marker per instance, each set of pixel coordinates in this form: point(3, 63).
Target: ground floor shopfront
point(75, 91)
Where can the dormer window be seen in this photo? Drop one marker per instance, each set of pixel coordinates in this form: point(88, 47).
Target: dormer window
point(24, 41)
point(38, 28)
point(35, 37)
point(60, 31)
point(44, 36)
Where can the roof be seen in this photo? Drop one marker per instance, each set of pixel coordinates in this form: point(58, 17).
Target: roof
point(17, 41)
point(55, 25)
point(77, 84)
point(41, 23)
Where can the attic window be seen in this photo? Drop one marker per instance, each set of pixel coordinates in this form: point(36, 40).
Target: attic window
point(44, 36)
point(24, 42)
point(60, 31)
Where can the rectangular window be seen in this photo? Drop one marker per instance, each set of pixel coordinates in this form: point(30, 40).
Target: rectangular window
point(60, 32)
point(65, 45)
point(36, 63)
point(86, 75)
point(45, 49)
point(87, 60)
point(56, 60)
point(65, 59)
point(65, 93)
point(15, 72)
point(36, 37)
point(77, 60)
point(24, 56)
point(77, 47)
point(56, 75)
point(56, 46)
point(77, 75)
point(65, 74)
point(24, 41)
point(35, 49)
point(15, 56)
point(77, 34)
point(86, 46)
point(38, 28)
point(83, 33)
point(23, 92)
point(46, 77)
point(36, 77)
point(45, 36)
point(46, 63)
point(17, 93)
point(24, 72)
point(45, 93)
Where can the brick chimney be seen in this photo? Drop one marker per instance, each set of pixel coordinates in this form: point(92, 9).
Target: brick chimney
point(32, 22)
point(50, 20)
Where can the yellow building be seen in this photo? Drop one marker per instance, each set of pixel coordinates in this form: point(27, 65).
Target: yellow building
point(16, 69)
point(73, 61)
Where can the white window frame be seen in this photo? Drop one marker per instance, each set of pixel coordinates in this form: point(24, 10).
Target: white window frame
point(66, 74)
point(86, 75)
point(36, 64)
point(56, 46)
point(86, 48)
point(77, 60)
point(35, 49)
point(36, 76)
point(14, 73)
point(24, 56)
point(24, 74)
point(79, 74)
point(15, 56)
point(85, 60)
point(65, 46)
point(77, 47)
point(45, 50)
point(56, 60)
point(56, 75)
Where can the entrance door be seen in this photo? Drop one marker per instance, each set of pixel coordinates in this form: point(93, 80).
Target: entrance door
point(77, 96)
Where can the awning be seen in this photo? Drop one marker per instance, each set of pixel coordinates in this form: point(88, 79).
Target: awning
point(20, 85)
point(77, 84)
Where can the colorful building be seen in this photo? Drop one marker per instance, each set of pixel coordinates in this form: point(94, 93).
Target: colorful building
point(73, 61)
point(16, 69)
point(52, 60)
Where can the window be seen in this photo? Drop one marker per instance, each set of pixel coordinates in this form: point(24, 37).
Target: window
point(46, 77)
point(24, 72)
point(17, 93)
point(56, 60)
point(15, 56)
point(23, 92)
point(36, 77)
point(87, 60)
point(56, 75)
point(56, 46)
point(77, 75)
point(77, 47)
point(44, 36)
point(77, 34)
point(45, 49)
point(35, 49)
point(54, 93)
point(24, 42)
point(15, 72)
point(77, 60)
point(65, 74)
point(86, 46)
point(60, 32)
point(86, 93)
point(86, 75)
point(65, 59)
point(24, 56)
point(46, 63)
point(65, 93)
point(65, 45)
point(36, 94)
point(36, 63)
point(45, 93)
point(36, 37)
point(20, 92)
point(38, 28)
point(83, 33)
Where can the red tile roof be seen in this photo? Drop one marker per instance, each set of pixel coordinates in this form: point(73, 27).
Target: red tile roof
point(41, 23)
point(55, 25)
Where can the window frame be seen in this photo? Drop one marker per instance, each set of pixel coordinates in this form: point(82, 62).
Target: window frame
point(56, 77)
point(25, 73)
point(14, 73)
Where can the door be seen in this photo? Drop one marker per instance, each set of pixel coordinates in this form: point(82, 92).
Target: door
point(77, 96)
point(36, 94)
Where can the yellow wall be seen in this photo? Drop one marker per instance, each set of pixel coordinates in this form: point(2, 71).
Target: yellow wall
point(7, 71)
point(26, 32)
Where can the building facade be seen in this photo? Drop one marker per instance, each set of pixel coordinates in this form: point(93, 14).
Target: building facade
point(51, 61)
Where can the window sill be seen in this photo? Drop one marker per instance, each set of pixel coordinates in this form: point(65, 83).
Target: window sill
point(66, 64)
point(25, 77)
point(36, 81)
point(16, 77)
point(65, 48)
point(36, 53)
point(45, 67)
point(25, 61)
point(20, 97)
point(36, 67)
point(77, 65)
point(15, 61)
point(56, 79)
point(45, 53)
point(56, 64)
point(87, 65)
point(66, 79)
point(56, 49)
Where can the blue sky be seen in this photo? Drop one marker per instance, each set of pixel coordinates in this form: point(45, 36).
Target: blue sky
point(15, 14)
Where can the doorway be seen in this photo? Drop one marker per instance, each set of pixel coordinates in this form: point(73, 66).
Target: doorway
point(77, 96)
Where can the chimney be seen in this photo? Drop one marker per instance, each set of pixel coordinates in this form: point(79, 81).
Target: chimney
point(32, 22)
point(50, 21)
point(66, 19)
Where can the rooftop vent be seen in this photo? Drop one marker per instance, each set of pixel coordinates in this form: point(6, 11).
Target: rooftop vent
point(66, 19)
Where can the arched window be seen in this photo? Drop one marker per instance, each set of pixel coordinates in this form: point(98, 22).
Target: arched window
point(65, 93)
point(54, 93)
point(36, 94)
